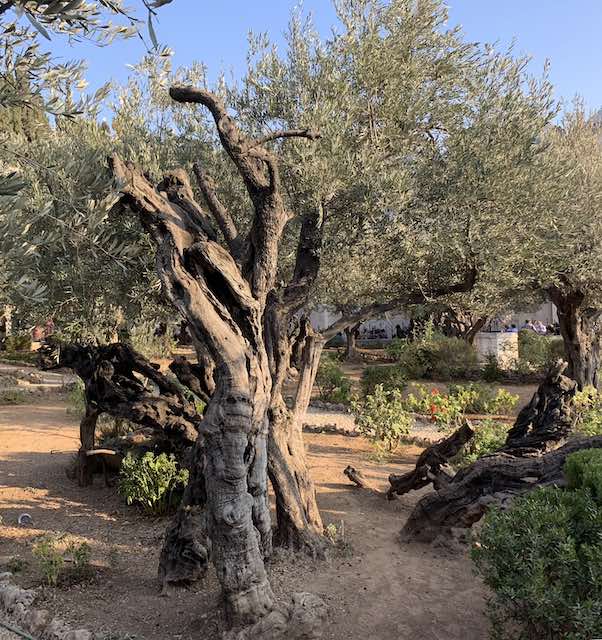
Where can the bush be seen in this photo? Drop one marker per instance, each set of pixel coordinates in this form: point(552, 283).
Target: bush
point(543, 560)
point(447, 411)
point(18, 342)
point(489, 437)
point(12, 397)
point(382, 418)
point(538, 351)
point(155, 483)
point(390, 377)
point(492, 372)
point(588, 404)
point(482, 398)
point(333, 385)
point(435, 357)
point(583, 470)
point(50, 559)
point(60, 562)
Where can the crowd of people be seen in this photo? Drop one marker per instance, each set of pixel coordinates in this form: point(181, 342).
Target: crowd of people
point(538, 327)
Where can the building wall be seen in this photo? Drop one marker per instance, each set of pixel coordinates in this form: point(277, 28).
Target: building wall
point(385, 328)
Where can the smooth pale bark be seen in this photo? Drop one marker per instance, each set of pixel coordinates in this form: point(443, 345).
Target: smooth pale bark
point(580, 331)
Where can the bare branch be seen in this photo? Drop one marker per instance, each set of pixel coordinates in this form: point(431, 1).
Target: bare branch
point(218, 210)
point(236, 144)
point(310, 134)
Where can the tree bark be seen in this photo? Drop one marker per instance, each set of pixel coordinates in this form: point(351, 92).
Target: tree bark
point(225, 295)
point(299, 524)
point(490, 481)
point(351, 334)
point(524, 462)
point(580, 331)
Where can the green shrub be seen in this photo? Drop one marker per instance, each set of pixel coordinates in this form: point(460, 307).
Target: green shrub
point(143, 339)
point(542, 558)
point(482, 398)
point(62, 563)
point(492, 372)
point(332, 383)
point(76, 399)
point(583, 470)
point(538, 351)
point(588, 404)
point(18, 342)
point(50, 559)
point(419, 400)
point(12, 396)
point(382, 418)
point(447, 411)
point(489, 437)
point(390, 377)
point(434, 357)
point(155, 483)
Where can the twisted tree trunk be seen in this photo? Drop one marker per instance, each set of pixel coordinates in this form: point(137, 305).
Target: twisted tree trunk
point(228, 297)
point(299, 524)
point(580, 331)
point(524, 462)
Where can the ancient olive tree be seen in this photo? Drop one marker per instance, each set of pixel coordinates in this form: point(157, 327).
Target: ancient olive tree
point(564, 233)
point(228, 294)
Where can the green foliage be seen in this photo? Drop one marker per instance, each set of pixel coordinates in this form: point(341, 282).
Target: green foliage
point(588, 404)
point(155, 483)
point(419, 399)
point(491, 370)
point(390, 377)
point(12, 396)
point(542, 558)
point(50, 559)
point(489, 437)
point(18, 342)
point(332, 383)
point(143, 339)
point(447, 411)
point(382, 417)
point(435, 357)
point(583, 470)
point(538, 351)
point(62, 562)
point(76, 399)
point(482, 398)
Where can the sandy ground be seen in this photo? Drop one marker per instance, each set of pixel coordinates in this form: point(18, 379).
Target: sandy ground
point(381, 589)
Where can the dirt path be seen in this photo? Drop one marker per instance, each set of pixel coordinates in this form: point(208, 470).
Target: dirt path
point(382, 590)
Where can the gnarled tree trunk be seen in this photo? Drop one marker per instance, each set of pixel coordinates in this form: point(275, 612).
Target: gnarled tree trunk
point(228, 297)
point(299, 524)
point(524, 462)
point(581, 332)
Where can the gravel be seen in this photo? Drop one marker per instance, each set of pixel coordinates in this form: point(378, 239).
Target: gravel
point(5, 634)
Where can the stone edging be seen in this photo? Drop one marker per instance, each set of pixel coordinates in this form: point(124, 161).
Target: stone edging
point(16, 604)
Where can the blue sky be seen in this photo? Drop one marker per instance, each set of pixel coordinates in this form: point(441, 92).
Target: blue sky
point(567, 32)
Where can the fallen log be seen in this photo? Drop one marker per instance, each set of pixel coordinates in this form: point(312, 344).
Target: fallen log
point(430, 467)
point(491, 480)
point(526, 460)
point(360, 481)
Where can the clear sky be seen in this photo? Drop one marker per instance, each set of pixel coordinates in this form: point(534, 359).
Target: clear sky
point(567, 32)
